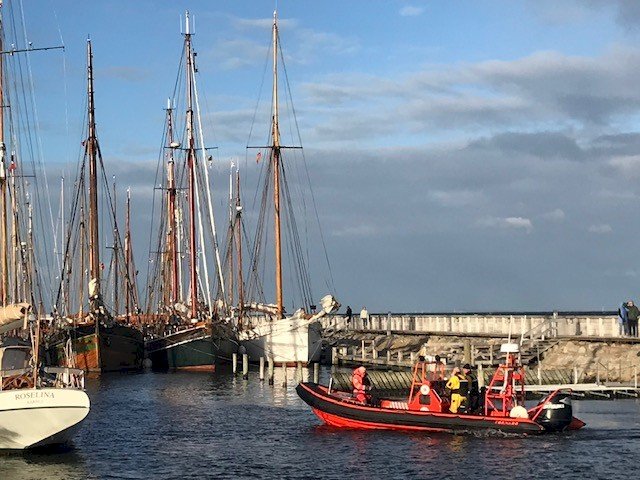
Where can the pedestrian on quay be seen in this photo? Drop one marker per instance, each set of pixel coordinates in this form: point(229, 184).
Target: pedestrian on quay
point(623, 320)
point(349, 314)
point(632, 317)
point(364, 317)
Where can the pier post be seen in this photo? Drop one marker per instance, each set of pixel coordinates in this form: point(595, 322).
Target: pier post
point(270, 371)
point(480, 376)
point(575, 375)
point(245, 366)
point(539, 375)
point(412, 357)
point(635, 377)
point(399, 357)
point(389, 324)
point(284, 374)
point(374, 352)
point(298, 372)
point(388, 356)
point(262, 369)
point(234, 362)
point(363, 350)
point(316, 372)
point(334, 355)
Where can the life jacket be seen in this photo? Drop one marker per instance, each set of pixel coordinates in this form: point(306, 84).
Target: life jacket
point(357, 380)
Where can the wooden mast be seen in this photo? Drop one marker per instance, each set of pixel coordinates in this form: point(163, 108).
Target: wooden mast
point(4, 270)
point(171, 211)
point(238, 234)
point(191, 165)
point(275, 158)
point(92, 152)
point(129, 279)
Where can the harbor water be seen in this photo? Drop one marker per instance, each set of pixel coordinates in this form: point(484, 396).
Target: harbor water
point(202, 425)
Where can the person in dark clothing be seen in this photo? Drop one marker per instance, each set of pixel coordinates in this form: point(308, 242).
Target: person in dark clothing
point(474, 392)
point(349, 314)
point(632, 317)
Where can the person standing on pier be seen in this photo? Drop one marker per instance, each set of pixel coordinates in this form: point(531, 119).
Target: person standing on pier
point(349, 314)
point(632, 317)
point(623, 319)
point(364, 317)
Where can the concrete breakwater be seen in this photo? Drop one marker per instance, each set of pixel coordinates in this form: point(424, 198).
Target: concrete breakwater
point(583, 347)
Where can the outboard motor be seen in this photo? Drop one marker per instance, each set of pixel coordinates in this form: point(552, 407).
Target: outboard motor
point(557, 413)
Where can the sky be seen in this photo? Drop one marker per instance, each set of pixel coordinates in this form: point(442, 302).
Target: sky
point(464, 156)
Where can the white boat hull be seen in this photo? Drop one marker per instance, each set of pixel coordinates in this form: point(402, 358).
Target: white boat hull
point(38, 417)
point(288, 340)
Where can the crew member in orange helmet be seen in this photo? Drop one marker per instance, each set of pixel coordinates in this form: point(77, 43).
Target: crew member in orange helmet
point(360, 384)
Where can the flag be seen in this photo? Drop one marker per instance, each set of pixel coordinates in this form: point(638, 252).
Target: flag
point(258, 157)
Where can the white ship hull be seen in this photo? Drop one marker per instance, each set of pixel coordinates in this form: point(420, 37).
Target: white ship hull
point(38, 417)
point(288, 340)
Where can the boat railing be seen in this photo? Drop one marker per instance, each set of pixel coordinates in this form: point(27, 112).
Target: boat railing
point(541, 331)
point(66, 377)
point(6, 376)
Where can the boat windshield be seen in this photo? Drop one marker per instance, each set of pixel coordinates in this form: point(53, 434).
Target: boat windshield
point(14, 358)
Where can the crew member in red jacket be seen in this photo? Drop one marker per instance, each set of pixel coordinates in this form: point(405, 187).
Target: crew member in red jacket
point(360, 384)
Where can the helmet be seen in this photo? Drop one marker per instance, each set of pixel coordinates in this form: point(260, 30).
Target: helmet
point(361, 370)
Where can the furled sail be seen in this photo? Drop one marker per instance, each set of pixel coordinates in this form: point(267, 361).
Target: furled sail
point(13, 316)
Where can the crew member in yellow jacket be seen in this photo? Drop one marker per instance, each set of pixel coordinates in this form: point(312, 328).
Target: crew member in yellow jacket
point(458, 384)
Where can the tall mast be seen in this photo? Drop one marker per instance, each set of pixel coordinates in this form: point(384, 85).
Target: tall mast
point(116, 252)
point(171, 209)
point(238, 233)
point(191, 165)
point(4, 240)
point(129, 278)
point(275, 158)
point(92, 152)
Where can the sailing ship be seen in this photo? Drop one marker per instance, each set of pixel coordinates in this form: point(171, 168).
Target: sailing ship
point(268, 332)
point(182, 329)
point(101, 342)
point(38, 405)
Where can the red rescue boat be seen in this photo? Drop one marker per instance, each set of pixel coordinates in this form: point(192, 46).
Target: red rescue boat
point(427, 408)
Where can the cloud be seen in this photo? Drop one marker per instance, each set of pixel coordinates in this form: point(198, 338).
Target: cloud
point(411, 11)
point(544, 145)
point(600, 229)
point(253, 45)
point(556, 215)
point(456, 198)
point(629, 166)
point(517, 223)
point(361, 230)
point(545, 97)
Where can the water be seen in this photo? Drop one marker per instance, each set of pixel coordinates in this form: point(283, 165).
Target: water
point(200, 426)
